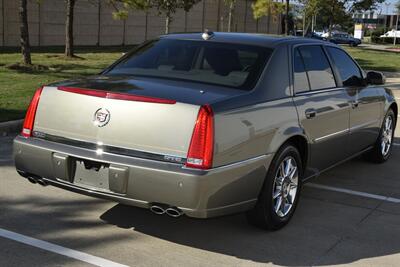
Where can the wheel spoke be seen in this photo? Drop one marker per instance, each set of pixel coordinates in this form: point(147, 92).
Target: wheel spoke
point(278, 192)
point(389, 126)
point(288, 167)
point(278, 204)
point(292, 172)
point(293, 185)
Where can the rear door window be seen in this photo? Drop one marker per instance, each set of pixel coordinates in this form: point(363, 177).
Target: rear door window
point(300, 75)
point(317, 66)
point(349, 72)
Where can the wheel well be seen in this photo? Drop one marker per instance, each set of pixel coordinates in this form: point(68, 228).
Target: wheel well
point(301, 144)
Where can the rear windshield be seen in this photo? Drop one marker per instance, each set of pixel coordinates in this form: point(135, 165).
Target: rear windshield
point(232, 65)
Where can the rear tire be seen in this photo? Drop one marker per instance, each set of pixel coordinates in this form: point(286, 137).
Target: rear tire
point(383, 146)
point(281, 191)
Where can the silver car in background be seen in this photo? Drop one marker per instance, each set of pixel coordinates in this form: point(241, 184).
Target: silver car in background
point(208, 124)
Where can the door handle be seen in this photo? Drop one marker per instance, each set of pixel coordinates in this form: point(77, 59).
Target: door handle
point(354, 103)
point(311, 113)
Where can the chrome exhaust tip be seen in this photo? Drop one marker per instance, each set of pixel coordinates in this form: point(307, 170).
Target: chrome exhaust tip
point(159, 210)
point(41, 182)
point(32, 180)
point(174, 212)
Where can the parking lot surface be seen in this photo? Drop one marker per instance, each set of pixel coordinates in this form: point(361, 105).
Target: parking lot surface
point(348, 216)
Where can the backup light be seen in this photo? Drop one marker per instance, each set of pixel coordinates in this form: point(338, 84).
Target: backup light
point(201, 148)
point(27, 127)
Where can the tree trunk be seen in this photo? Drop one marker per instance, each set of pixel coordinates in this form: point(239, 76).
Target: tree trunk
point(331, 20)
point(23, 20)
point(167, 23)
point(69, 29)
point(269, 20)
point(395, 33)
point(287, 18)
point(230, 17)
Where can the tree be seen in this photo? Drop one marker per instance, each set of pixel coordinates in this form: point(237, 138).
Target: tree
point(164, 7)
point(262, 8)
point(24, 33)
point(169, 7)
point(231, 4)
point(397, 22)
point(309, 12)
point(287, 17)
point(69, 29)
point(365, 5)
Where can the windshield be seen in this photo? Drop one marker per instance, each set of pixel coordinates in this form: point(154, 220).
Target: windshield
point(233, 65)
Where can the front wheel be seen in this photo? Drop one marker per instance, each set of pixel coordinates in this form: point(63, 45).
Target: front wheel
point(280, 194)
point(383, 145)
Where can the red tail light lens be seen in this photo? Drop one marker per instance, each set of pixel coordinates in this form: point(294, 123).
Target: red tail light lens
point(30, 114)
point(201, 148)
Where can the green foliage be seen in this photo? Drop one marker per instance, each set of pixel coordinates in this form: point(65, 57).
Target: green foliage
point(169, 7)
point(365, 5)
point(166, 7)
point(262, 8)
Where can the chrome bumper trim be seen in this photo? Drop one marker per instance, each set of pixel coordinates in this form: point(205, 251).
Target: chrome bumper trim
point(109, 149)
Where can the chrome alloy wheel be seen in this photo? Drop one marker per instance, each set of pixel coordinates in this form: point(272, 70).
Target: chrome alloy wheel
point(387, 135)
point(285, 186)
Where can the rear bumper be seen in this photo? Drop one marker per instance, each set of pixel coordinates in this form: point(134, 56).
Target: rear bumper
point(141, 182)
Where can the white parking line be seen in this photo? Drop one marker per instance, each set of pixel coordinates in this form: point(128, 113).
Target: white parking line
point(97, 261)
point(355, 193)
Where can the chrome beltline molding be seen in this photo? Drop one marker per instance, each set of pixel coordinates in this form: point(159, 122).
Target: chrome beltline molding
point(352, 129)
point(331, 135)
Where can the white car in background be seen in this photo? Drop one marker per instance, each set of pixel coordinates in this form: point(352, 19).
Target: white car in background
point(391, 33)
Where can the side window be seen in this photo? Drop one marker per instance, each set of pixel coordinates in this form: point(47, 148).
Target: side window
point(300, 75)
point(317, 66)
point(349, 72)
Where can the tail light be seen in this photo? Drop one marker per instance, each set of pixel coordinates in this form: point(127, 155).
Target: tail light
point(30, 114)
point(201, 148)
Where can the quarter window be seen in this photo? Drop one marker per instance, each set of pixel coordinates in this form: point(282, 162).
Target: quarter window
point(317, 66)
point(348, 70)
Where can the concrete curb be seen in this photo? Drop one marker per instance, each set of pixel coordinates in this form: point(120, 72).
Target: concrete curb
point(9, 127)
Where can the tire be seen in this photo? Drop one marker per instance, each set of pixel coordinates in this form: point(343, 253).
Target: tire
point(379, 153)
point(265, 214)
point(352, 44)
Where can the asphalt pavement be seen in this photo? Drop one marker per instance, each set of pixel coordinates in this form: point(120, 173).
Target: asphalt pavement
point(348, 216)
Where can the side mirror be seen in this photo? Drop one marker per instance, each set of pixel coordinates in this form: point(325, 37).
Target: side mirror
point(374, 77)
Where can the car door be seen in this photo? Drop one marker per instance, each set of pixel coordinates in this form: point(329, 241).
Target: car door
point(322, 107)
point(366, 104)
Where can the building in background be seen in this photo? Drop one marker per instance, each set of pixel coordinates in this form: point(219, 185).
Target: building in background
point(384, 18)
point(94, 24)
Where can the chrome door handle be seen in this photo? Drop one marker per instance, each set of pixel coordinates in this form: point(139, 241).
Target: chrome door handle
point(311, 113)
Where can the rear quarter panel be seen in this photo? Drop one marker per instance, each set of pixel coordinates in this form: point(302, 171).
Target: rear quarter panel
point(254, 130)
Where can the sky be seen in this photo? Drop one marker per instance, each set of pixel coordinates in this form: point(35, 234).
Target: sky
point(390, 7)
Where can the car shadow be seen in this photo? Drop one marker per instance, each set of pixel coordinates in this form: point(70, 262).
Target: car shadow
point(304, 242)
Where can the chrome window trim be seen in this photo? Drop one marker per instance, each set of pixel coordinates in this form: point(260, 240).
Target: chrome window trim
point(320, 91)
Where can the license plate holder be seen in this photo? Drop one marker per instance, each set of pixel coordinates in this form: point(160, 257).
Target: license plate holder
point(92, 174)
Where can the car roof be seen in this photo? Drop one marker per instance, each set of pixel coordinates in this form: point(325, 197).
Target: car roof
point(266, 40)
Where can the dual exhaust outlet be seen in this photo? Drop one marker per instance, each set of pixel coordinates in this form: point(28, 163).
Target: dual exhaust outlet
point(37, 180)
point(161, 209)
